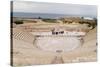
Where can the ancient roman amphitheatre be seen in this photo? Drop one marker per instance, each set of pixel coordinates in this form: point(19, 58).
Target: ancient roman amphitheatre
point(37, 41)
point(52, 33)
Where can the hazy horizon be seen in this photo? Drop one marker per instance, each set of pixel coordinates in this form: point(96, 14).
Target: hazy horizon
point(45, 15)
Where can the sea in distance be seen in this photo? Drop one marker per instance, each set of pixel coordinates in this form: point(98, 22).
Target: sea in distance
point(44, 15)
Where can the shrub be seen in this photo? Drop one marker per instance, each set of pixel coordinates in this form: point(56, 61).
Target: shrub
point(18, 22)
point(49, 20)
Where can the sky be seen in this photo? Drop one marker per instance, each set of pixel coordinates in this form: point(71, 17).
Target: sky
point(54, 8)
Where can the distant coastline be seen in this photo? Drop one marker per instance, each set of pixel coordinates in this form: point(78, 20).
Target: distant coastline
point(44, 15)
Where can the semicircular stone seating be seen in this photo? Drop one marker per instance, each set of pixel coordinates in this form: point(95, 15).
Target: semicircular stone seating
point(26, 53)
point(85, 53)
